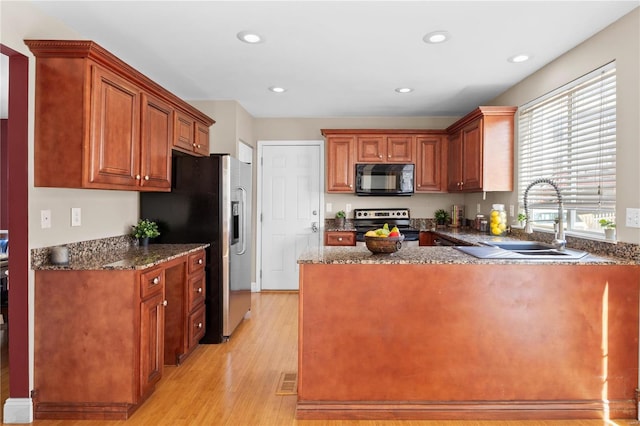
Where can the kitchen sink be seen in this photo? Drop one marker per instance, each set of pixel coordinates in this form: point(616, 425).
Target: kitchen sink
point(521, 250)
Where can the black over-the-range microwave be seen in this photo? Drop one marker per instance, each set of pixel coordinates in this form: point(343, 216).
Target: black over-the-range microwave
point(384, 179)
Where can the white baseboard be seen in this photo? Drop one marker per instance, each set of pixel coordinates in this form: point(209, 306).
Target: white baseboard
point(18, 410)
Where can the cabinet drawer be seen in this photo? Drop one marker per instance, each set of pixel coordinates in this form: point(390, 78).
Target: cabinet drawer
point(151, 282)
point(196, 262)
point(196, 291)
point(196, 326)
point(339, 238)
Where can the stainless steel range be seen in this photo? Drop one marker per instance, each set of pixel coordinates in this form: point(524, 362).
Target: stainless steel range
point(367, 219)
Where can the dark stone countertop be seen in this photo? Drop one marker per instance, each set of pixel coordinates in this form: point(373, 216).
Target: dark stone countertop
point(128, 258)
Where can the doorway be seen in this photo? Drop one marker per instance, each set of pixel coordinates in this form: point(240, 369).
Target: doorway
point(289, 200)
point(14, 165)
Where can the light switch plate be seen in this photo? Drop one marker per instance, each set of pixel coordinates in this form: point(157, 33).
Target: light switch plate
point(633, 218)
point(45, 219)
point(76, 216)
point(348, 208)
point(329, 207)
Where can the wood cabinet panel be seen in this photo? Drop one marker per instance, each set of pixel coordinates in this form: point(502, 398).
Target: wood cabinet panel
point(371, 149)
point(156, 140)
point(426, 238)
point(151, 342)
point(400, 149)
point(115, 130)
point(339, 238)
point(202, 140)
point(340, 164)
point(481, 147)
point(196, 326)
point(430, 163)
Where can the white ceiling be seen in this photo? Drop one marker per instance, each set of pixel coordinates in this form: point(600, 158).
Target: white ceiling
point(338, 58)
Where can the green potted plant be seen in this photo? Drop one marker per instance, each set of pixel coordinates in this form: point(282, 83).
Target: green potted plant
point(144, 230)
point(609, 228)
point(442, 217)
point(522, 218)
point(340, 219)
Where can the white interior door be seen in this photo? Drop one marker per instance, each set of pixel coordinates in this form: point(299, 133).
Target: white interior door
point(290, 206)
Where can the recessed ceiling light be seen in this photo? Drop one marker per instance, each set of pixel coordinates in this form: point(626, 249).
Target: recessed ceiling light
point(436, 37)
point(249, 37)
point(277, 89)
point(404, 89)
point(519, 58)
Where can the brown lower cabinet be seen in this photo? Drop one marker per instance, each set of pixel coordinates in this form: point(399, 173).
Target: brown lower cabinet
point(340, 238)
point(102, 336)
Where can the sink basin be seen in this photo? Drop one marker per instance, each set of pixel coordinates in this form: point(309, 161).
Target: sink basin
point(521, 250)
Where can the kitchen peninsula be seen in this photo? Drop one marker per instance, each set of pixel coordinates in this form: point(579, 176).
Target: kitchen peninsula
point(433, 333)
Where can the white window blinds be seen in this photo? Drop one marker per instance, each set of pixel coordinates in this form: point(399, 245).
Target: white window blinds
point(569, 136)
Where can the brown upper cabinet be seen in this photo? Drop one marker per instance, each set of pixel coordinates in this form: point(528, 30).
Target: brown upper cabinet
point(431, 162)
point(101, 124)
point(340, 163)
point(385, 148)
point(480, 152)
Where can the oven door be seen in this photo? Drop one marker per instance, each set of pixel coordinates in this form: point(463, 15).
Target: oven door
point(384, 179)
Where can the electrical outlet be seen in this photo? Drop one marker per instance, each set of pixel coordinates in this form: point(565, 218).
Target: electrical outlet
point(76, 216)
point(511, 210)
point(329, 207)
point(633, 218)
point(45, 219)
point(348, 208)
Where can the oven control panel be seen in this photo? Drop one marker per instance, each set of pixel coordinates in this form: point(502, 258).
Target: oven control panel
point(397, 213)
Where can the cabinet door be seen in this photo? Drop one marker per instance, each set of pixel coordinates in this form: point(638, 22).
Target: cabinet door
point(151, 342)
point(156, 140)
point(202, 140)
point(340, 164)
point(196, 326)
point(454, 164)
point(426, 239)
point(114, 141)
point(472, 166)
point(429, 164)
point(371, 149)
point(399, 149)
point(184, 132)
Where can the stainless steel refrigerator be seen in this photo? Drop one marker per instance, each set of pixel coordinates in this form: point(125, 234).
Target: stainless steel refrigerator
point(210, 202)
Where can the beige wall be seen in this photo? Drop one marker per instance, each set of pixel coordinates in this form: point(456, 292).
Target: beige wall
point(620, 42)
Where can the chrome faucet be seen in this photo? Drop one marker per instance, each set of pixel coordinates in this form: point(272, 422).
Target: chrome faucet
point(559, 242)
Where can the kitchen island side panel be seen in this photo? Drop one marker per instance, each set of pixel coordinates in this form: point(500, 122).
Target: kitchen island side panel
point(468, 334)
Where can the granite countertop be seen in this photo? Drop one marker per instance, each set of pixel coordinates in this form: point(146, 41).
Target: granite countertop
point(439, 254)
point(132, 257)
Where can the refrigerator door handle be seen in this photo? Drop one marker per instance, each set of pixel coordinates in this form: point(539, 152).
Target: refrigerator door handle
point(243, 221)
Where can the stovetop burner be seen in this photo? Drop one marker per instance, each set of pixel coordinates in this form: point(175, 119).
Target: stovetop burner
point(367, 219)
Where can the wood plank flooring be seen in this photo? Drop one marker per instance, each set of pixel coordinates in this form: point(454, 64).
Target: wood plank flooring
point(234, 384)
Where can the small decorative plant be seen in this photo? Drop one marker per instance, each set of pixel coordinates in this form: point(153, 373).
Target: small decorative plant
point(145, 228)
point(341, 214)
point(442, 216)
point(340, 219)
point(607, 224)
point(522, 218)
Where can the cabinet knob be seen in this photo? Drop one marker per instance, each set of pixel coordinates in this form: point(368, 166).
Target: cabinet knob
point(389, 156)
point(165, 303)
point(199, 290)
point(199, 261)
point(156, 280)
point(379, 155)
point(198, 146)
point(146, 178)
point(199, 325)
point(194, 145)
point(339, 238)
point(137, 177)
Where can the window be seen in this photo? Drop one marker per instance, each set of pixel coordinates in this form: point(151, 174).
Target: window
point(569, 136)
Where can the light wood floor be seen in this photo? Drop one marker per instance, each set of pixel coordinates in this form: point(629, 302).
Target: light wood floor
point(234, 384)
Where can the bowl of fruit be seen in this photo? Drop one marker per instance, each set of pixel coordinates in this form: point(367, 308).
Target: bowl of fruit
point(384, 240)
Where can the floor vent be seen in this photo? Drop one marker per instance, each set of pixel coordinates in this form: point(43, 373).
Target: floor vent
point(288, 384)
